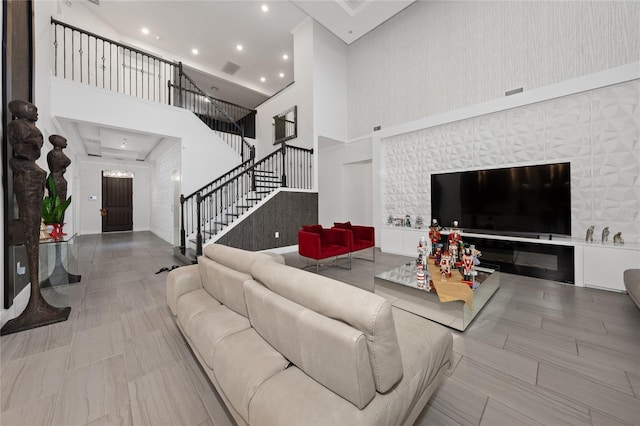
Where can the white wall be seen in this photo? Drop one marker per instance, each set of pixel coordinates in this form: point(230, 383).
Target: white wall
point(329, 85)
point(300, 94)
point(91, 184)
point(438, 56)
point(204, 155)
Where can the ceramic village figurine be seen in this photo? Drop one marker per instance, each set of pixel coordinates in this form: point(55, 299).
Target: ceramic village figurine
point(589, 237)
point(407, 221)
point(605, 235)
point(617, 239)
point(434, 235)
point(445, 266)
point(419, 222)
point(467, 265)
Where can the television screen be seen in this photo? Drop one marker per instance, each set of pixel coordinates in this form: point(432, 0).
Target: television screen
point(520, 200)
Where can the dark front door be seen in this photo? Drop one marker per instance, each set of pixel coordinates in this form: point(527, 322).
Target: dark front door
point(117, 204)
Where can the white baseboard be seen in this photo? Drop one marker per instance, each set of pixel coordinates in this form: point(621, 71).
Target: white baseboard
point(19, 303)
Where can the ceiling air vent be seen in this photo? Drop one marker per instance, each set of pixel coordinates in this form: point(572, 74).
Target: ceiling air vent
point(230, 68)
point(92, 141)
point(95, 2)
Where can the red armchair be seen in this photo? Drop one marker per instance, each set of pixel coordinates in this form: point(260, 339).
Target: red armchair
point(362, 237)
point(316, 242)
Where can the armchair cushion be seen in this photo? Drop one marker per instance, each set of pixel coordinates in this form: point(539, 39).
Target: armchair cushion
point(323, 244)
point(362, 237)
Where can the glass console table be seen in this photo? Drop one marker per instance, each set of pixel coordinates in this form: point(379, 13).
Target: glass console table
point(399, 286)
point(58, 269)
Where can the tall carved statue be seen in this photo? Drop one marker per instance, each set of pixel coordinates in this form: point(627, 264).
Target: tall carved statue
point(26, 140)
point(58, 163)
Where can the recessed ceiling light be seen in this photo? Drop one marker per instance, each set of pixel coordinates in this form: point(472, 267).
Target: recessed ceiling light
point(281, 74)
point(285, 56)
point(145, 30)
point(265, 8)
point(157, 37)
point(262, 79)
point(194, 51)
point(239, 47)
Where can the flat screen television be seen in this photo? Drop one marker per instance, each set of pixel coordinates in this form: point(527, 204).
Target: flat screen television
point(510, 201)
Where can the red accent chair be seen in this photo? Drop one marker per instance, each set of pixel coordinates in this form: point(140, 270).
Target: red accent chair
point(362, 237)
point(316, 242)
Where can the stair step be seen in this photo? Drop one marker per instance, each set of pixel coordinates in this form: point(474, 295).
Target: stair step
point(263, 192)
point(233, 214)
point(264, 171)
point(221, 223)
point(244, 207)
point(267, 178)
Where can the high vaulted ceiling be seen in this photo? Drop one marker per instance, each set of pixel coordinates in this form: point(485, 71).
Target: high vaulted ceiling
point(216, 27)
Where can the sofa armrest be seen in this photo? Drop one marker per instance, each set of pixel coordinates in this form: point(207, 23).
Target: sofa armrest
point(309, 244)
point(181, 281)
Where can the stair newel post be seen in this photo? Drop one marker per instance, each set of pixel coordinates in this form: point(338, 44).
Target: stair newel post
point(284, 164)
point(183, 239)
point(199, 225)
point(180, 100)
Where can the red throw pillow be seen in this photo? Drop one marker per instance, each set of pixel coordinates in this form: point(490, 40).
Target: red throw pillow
point(346, 225)
point(316, 229)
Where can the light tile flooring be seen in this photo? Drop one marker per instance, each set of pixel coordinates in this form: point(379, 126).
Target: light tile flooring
point(539, 353)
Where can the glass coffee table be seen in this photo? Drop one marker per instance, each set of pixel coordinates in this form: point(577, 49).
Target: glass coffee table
point(399, 286)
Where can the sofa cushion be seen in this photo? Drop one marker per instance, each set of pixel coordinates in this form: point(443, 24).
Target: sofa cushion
point(180, 281)
point(191, 304)
point(427, 351)
point(224, 284)
point(371, 314)
point(237, 259)
point(242, 362)
point(211, 326)
point(331, 352)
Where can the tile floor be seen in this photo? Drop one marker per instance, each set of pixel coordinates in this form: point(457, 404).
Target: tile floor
point(539, 353)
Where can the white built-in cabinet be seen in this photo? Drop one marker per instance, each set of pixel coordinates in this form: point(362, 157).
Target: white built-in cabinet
point(596, 265)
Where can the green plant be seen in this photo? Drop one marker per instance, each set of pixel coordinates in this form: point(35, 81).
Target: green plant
point(52, 207)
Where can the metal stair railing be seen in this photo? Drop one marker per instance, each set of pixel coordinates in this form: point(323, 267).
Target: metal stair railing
point(216, 209)
point(217, 115)
point(87, 58)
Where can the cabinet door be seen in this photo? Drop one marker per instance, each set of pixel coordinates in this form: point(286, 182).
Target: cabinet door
point(604, 266)
point(392, 241)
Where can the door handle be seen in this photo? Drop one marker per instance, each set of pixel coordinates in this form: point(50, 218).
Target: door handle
point(103, 212)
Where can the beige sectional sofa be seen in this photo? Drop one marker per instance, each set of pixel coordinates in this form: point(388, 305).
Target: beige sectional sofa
point(288, 347)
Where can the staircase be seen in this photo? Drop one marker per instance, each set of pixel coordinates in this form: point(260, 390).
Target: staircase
point(90, 59)
point(207, 213)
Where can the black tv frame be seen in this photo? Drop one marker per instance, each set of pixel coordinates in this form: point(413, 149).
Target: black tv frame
point(560, 183)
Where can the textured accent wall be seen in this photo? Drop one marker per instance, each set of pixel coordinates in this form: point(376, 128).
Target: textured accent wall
point(438, 56)
point(285, 213)
point(598, 131)
point(162, 188)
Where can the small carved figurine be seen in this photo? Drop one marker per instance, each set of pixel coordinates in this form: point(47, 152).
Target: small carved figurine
point(617, 239)
point(605, 234)
point(589, 237)
point(434, 235)
point(467, 265)
point(420, 277)
point(445, 266)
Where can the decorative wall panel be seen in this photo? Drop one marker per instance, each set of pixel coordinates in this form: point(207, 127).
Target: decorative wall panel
point(162, 192)
point(598, 131)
